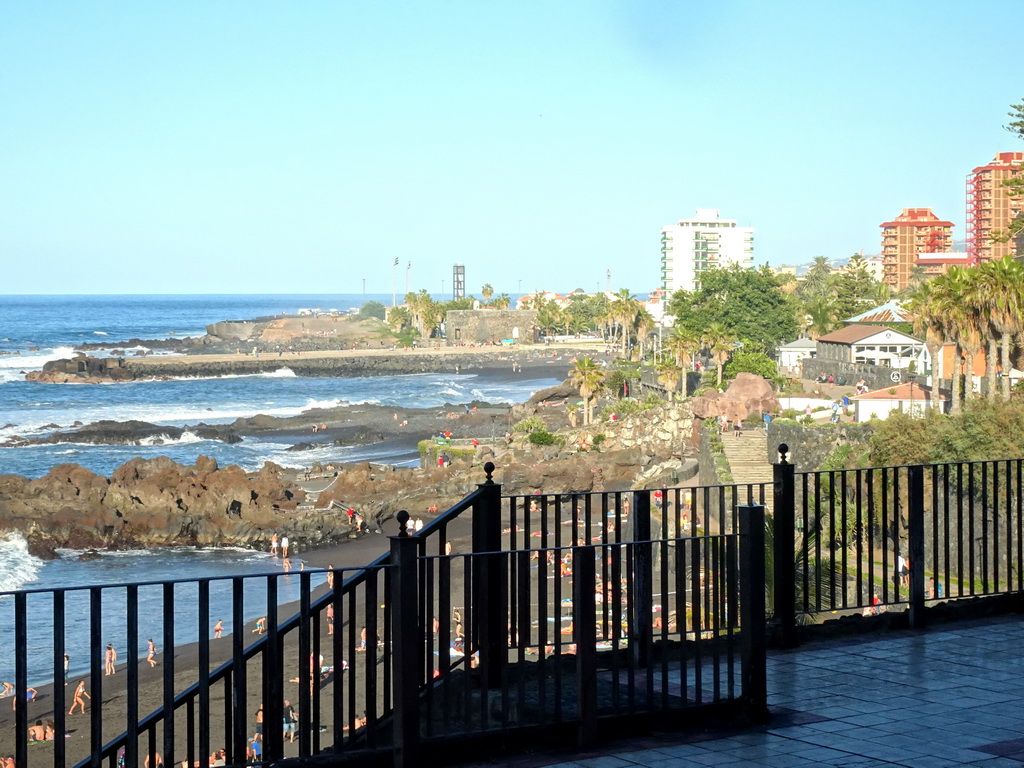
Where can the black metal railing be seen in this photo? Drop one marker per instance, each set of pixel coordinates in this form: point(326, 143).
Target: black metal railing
point(547, 612)
point(895, 538)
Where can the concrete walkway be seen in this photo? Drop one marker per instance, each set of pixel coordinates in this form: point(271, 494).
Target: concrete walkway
point(947, 696)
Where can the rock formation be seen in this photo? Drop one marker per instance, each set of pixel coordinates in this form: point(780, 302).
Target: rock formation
point(157, 502)
point(748, 395)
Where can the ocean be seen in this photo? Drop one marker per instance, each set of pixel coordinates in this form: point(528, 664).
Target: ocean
point(36, 329)
point(43, 328)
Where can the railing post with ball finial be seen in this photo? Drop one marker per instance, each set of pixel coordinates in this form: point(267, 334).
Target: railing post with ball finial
point(407, 643)
point(784, 548)
point(490, 598)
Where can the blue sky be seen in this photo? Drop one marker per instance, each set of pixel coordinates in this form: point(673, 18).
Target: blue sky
point(299, 147)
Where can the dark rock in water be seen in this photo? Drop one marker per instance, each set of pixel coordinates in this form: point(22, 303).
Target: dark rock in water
point(76, 423)
point(88, 555)
point(108, 432)
point(302, 447)
point(51, 426)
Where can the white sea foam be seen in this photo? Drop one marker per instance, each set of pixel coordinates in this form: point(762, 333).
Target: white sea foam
point(281, 373)
point(17, 566)
point(185, 439)
point(11, 366)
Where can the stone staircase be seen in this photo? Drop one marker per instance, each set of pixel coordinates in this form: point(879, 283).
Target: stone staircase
point(748, 459)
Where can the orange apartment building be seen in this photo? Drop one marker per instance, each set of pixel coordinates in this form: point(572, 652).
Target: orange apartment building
point(990, 208)
point(913, 232)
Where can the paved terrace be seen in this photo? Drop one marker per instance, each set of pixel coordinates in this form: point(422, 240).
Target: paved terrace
point(947, 696)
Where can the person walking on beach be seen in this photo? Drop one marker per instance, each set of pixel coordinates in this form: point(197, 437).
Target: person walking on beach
point(284, 546)
point(79, 701)
point(110, 659)
point(273, 545)
point(218, 629)
point(330, 619)
point(67, 663)
point(290, 720)
point(151, 653)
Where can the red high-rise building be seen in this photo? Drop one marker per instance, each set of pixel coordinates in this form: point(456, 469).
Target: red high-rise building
point(989, 208)
point(913, 232)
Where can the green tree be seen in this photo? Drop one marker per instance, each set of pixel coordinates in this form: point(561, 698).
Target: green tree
point(1014, 231)
point(487, 291)
point(372, 309)
point(855, 289)
point(752, 362)
point(750, 304)
point(502, 301)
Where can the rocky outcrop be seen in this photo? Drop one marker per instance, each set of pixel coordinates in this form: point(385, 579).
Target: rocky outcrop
point(82, 369)
point(157, 502)
point(748, 395)
point(129, 433)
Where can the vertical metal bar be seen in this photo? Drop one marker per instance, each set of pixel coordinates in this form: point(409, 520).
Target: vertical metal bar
point(971, 526)
point(190, 731)
point(131, 747)
point(696, 562)
point(935, 549)
point(985, 507)
point(641, 600)
point(273, 671)
point(871, 523)
point(584, 619)
point(96, 648)
point(663, 613)
point(715, 574)
point(229, 748)
point(239, 719)
point(342, 629)
point(407, 644)
point(844, 537)
point(858, 480)
point(168, 670)
point(897, 519)
point(960, 574)
point(946, 493)
point(752, 605)
point(203, 633)
point(309, 664)
point(60, 678)
point(915, 535)
point(819, 531)
point(784, 543)
point(373, 642)
point(21, 680)
point(887, 537)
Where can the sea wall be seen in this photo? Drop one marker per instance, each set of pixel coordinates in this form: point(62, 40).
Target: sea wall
point(809, 445)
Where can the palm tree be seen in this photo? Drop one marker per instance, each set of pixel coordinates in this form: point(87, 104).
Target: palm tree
point(820, 316)
point(1002, 293)
point(487, 291)
point(683, 344)
point(643, 322)
point(623, 310)
point(502, 301)
point(669, 372)
point(718, 340)
point(589, 379)
point(928, 322)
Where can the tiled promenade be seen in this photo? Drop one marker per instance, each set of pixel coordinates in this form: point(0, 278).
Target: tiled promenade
point(948, 696)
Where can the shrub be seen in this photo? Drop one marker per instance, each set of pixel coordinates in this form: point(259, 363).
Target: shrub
point(529, 424)
point(751, 362)
point(543, 437)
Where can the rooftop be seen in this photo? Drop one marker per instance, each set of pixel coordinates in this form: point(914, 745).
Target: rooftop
point(851, 334)
point(890, 312)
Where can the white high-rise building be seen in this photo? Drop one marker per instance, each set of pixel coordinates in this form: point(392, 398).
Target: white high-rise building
point(705, 241)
